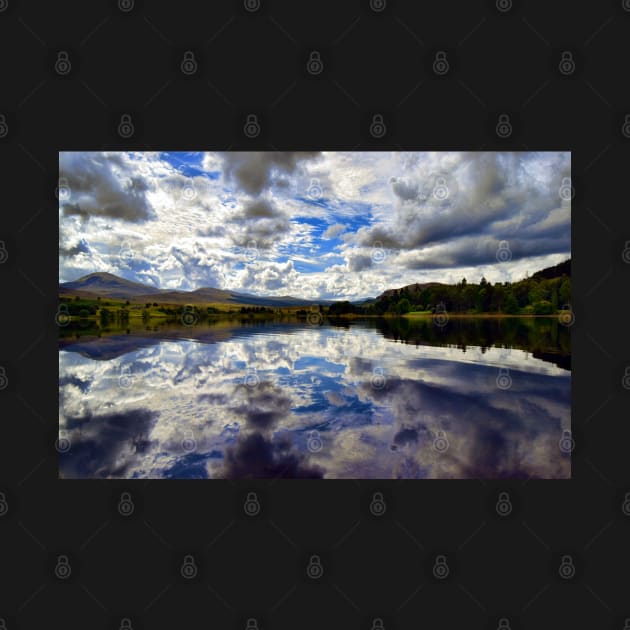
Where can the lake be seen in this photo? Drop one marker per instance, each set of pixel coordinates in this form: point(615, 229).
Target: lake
point(363, 399)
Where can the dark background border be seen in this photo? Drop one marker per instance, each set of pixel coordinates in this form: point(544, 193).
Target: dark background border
point(375, 62)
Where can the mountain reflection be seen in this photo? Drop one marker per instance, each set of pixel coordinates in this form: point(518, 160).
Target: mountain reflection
point(231, 400)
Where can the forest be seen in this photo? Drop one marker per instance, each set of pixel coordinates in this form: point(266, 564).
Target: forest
point(544, 293)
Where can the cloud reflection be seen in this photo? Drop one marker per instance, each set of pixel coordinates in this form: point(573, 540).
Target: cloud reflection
point(315, 379)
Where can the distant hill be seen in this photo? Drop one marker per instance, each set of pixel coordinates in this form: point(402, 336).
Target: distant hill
point(108, 285)
point(412, 288)
point(562, 269)
point(557, 271)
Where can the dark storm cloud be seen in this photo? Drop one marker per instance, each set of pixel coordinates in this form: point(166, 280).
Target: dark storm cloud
point(254, 171)
point(256, 457)
point(259, 208)
point(261, 406)
point(489, 196)
point(403, 189)
point(359, 262)
point(106, 445)
point(406, 436)
point(483, 251)
point(258, 453)
point(103, 185)
point(262, 233)
point(486, 441)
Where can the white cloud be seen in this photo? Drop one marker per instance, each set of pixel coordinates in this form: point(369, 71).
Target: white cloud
point(247, 221)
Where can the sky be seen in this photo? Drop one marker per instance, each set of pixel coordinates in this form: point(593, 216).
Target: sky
point(315, 225)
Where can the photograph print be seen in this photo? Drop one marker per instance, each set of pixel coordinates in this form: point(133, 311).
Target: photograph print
point(314, 315)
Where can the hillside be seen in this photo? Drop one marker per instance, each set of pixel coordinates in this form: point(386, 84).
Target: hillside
point(563, 269)
point(544, 293)
point(107, 285)
point(557, 271)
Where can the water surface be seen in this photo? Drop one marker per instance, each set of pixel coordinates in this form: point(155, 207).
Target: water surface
point(397, 398)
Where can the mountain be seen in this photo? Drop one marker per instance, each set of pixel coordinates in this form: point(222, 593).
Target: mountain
point(108, 285)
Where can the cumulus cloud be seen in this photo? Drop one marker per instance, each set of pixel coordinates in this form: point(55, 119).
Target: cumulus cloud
point(254, 171)
point(485, 197)
point(334, 230)
point(103, 185)
point(245, 221)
